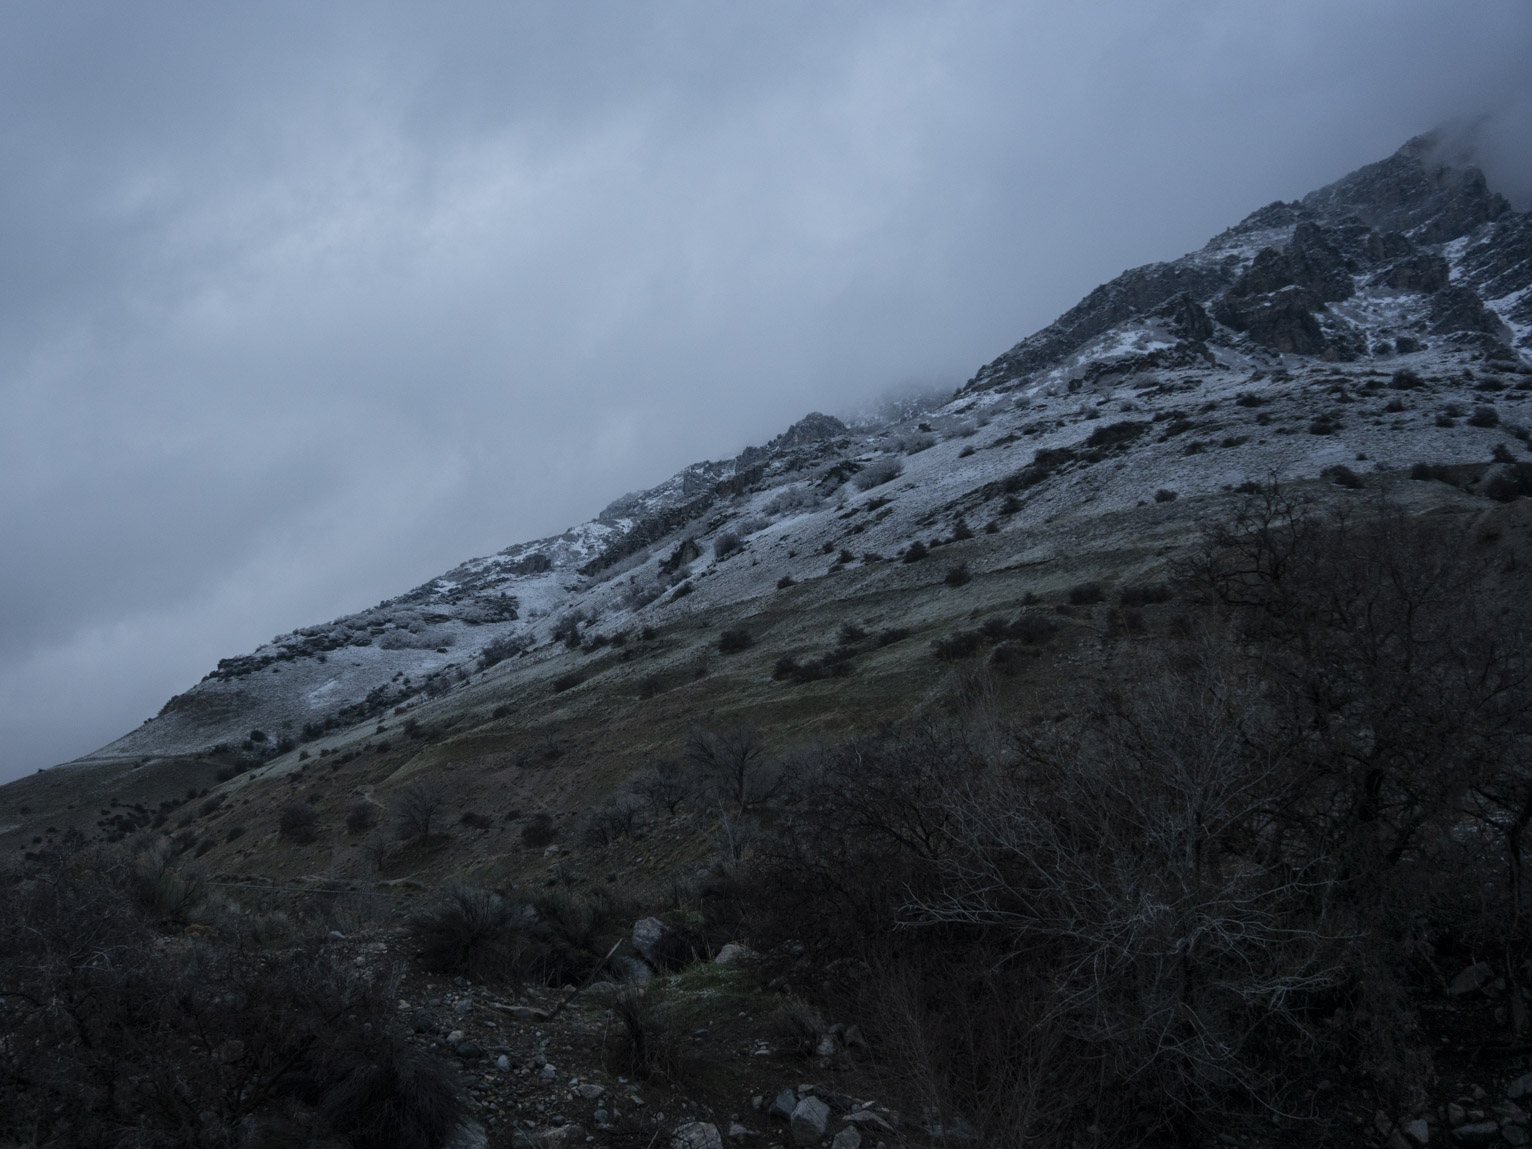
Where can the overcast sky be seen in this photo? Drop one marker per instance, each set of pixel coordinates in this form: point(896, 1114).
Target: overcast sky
point(302, 304)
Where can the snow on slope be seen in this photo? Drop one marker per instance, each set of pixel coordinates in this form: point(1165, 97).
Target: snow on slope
point(1273, 351)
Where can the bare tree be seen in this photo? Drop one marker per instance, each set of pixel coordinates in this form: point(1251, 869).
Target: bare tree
point(735, 764)
point(414, 808)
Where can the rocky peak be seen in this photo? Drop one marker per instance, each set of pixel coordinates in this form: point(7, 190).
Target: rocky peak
point(1418, 191)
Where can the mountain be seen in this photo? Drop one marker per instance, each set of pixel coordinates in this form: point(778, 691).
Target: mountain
point(1079, 842)
point(1274, 350)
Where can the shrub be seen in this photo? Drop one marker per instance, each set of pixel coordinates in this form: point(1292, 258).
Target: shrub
point(466, 930)
point(414, 808)
point(1512, 483)
point(1086, 594)
point(394, 1099)
point(850, 633)
point(1433, 471)
point(611, 821)
point(1115, 435)
point(915, 552)
point(958, 576)
point(1484, 417)
point(1406, 380)
point(647, 1041)
point(476, 821)
point(1343, 476)
point(733, 641)
point(500, 649)
point(567, 681)
point(798, 1027)
point(786, 581)
point(539, 831)
point(877, 473)
point(361, 815)
point(1143, 594)
point(727, 544)
point(299, 822)
point(1164, 495)
point(958, 644)
point(890, 635)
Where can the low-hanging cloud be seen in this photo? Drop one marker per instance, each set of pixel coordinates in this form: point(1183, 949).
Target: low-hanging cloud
point(303, 304)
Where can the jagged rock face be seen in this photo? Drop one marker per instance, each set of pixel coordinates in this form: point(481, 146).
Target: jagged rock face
point(1413, 192)
point(1409, 224)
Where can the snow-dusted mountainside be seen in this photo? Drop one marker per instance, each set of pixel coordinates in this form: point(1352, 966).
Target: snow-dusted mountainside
point(1380, 322)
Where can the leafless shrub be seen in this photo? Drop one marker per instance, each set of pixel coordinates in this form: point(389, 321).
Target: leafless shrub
point(664, 785)
point(539, 831)
point(735, 764)
point(647, 1040)
point(797, 1026)
point(362, 815)
point(878, 472)
point(414, 809)
point(612, 820)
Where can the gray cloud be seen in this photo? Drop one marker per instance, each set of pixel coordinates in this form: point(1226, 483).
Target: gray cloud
point(304, 304)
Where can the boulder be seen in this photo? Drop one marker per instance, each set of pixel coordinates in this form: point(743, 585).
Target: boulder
point(647, 935)
point(810, 1119)
point(847, 1138)
point(696, 1135)
point(783, 1106)
point(1476, 976)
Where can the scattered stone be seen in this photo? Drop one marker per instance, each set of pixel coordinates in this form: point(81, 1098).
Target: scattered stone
point(696, 1135)
point(1456, 1114)
point(809, 1121)
point(470, 1050)
point(1520, 1087)
point(1515, 1134)
point(590, 1090)
point(547, 1073)
point(230, 1051)
point(467, 1135)
point(847, 1138)
point(631, 968)
point(730, 953)
point(868, 1117)
point(552, 1138)
point(1418, 1131)
point(503, 1063)
point(826, 1047)
point(649, 938)
point(736, 1131)
point(1477, 1133)
point(784, 1105)
point(601, 1117)
point(853, 1038)
point(456, 1036)
point(1476, 976)
point(463, 1005)
point(523, 1012)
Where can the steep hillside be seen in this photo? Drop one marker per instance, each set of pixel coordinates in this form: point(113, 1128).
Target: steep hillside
point(1381, 322)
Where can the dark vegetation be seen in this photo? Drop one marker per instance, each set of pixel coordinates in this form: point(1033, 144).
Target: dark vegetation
point(112, 1033)
point(1238, 872)
point(1225, 886)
